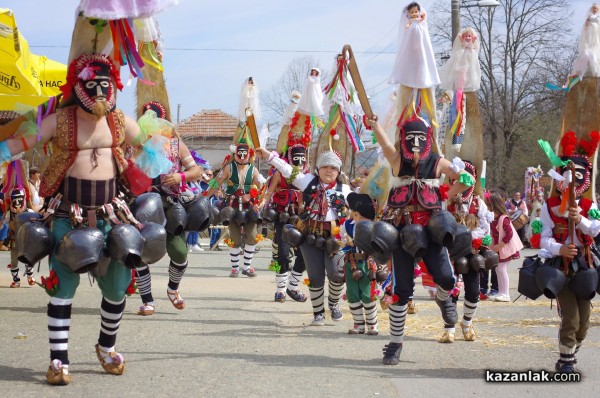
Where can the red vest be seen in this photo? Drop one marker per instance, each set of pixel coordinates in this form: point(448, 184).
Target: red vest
point(560, 232)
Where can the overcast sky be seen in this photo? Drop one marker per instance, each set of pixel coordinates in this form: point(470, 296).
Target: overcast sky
point(212, 46)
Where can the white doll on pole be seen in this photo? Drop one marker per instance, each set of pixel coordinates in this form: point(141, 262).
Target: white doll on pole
point(462, 71)
point(415, 62)
point(588, 55)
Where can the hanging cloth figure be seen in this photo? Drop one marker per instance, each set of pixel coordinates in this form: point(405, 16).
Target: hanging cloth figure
point(462, 74)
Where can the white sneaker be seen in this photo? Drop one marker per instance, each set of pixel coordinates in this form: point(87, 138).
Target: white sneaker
point(196, 249)
point(504, 298)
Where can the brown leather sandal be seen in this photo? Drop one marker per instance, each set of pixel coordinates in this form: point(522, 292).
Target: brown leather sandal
point(146, 309)
point(117, 367)
point(176, 299)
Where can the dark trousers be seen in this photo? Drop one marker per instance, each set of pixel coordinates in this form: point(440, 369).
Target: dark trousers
point(284, 253)
point(471, 286)
point(437, 262)
point(485, 281)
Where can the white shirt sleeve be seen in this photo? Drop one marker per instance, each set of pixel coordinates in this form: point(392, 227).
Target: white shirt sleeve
point(485, 217)
point(589, 227)
point(301, 181)
point(547, 241)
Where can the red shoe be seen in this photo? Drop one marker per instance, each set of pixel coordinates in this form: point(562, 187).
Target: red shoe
point(15, 284)
point(30, 280)
point(483, 296)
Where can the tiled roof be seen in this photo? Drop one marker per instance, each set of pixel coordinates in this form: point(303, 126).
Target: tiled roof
point(209, 123)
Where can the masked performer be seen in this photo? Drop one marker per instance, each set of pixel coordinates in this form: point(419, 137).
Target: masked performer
point(240, 205)
point(16, 204)
point(469, 209)
point(286, 201)
point(171, 183)
point(87, 141)
point(414, 200)
point(573, 255)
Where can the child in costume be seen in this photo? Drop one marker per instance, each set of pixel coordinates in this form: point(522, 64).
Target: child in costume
point(359, 270)
point(324, 198)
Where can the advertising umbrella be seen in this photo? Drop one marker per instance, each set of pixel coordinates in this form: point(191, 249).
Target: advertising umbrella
point(25, 78)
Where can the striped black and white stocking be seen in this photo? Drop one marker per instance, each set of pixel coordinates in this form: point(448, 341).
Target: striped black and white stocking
point(281, 280)
point(357, 313)
point(176, 272)
point(248, 254)
point(397, 321)
point(335, 293)
point(14, 271)
point(317, 298)
point(294, 280)
point(371, 313)
point(469, 310)
point(59, 323)
point(110, 313)
point(144, 283)
point(234, 256)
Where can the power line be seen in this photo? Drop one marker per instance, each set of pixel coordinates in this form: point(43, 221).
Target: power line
point(247, 50)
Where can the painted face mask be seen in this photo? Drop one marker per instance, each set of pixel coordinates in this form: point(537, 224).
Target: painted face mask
point(415, 139)
point(582, 175)
point(242, 153)
point(94, 91)
point(297, 156)
point(17, 197)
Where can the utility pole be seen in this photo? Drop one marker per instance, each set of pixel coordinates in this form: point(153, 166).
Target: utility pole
point(178, 111)
point(455, 7)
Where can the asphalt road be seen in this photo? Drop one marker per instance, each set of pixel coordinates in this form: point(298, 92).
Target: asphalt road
point(233, 340)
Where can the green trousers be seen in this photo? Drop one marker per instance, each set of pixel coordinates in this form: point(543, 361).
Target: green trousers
point(113, 285)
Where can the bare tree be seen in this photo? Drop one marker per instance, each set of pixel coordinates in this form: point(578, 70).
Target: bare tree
point(278, 97)
point(524, 45)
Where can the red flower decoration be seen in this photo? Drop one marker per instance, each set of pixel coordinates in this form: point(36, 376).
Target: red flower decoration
point(477, 243)
point(131, 289)
point(253, 193)
point(50, 284)
point(535, 241)
point(444, 188)
point(395, 298)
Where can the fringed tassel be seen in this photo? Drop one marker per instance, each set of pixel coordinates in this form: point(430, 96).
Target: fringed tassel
point(125, 51)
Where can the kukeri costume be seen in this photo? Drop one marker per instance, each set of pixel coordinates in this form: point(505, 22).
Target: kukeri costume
point(360, 271)
point(324, 207)
point(573, 282)
point(242, 181)
point(472, 212)
point(286, 204)
point(413, 227)
point(286, 199)
point(172, 204)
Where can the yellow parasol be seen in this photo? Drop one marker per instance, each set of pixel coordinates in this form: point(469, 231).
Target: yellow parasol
point(25, 78)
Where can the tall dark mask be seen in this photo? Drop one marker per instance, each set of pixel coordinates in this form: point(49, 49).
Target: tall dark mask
point(415, 138)
point(88, 93)
point(297, 156)
point(242, 153)
point(582, 175)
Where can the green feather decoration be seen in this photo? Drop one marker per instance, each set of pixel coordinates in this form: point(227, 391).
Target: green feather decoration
point(555, 160)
